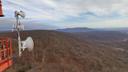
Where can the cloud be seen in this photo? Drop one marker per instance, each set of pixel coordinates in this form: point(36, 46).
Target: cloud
point(108, 23)
point(63, 10)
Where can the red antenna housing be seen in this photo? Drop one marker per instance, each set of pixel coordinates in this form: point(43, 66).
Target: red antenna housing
point(1, 12)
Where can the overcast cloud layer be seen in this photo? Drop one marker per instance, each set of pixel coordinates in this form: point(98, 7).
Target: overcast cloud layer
point(72, 13)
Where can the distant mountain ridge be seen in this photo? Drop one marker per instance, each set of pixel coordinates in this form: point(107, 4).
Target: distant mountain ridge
point(124, 29)
point(77, 29)
point(96, 34)
point(6, 24)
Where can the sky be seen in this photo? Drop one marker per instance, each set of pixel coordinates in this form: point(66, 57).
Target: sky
point(71, 13)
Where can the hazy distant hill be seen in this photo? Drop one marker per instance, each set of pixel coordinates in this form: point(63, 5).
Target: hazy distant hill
point(96, 34)
point(6, 24)
point(121, 29)
point(102, 35)
point(64, 52)
point(79, 29)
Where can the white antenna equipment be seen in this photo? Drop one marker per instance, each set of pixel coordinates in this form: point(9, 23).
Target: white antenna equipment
point(28, 43)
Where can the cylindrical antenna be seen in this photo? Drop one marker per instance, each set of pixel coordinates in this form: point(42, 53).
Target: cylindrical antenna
point(18, 27)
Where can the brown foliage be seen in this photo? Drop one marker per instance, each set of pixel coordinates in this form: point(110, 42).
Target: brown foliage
point(62, 52)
